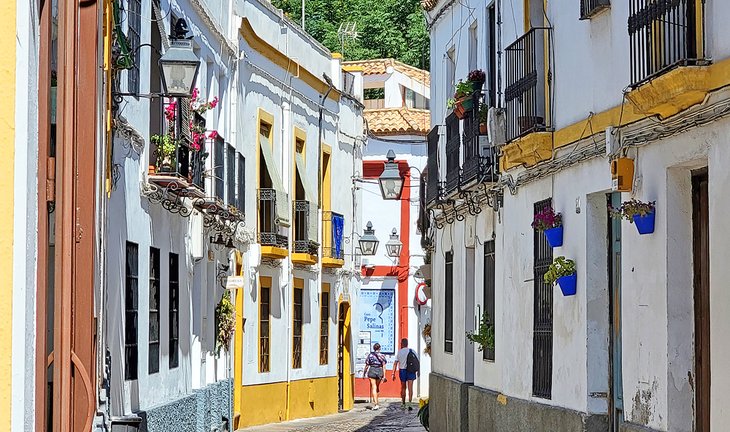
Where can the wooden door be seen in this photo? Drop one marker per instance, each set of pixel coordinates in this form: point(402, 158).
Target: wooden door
point(701, 253)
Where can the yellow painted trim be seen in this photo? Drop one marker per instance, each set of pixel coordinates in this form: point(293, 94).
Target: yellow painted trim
point(336, 55)
point(261, 117)
point(7, 123)
point(300, 134)
point(283, 61)
point(700, 27)
point(526, 15)
point(353, 68)
point(264, 281)
point(108, 91)
point(298, 284)
point(348, 387)
point(528, 150)
point(274, 252)
point(304, 258)
point(694, 80)
point(238, 343)
point(332, 262)
point(267, 403)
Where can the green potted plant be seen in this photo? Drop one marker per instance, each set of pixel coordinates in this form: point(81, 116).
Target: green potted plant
point(642, 214)
point(462, 101)
point(562, 271)
point(484, 337)
point(166, 152)
point(423, 413)
point(483, 112)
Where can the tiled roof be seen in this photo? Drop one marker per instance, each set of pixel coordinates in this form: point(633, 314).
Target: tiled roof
point(398, 121)
point(428, 5)
point(380, 66)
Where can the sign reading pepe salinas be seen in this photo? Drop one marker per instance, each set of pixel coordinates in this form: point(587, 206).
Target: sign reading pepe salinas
point(377, 316)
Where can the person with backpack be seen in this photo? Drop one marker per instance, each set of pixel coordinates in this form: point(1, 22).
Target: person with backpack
point(408, 367)
point(375, 371)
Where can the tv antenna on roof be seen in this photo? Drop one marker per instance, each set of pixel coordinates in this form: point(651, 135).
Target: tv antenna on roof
point(346, 32)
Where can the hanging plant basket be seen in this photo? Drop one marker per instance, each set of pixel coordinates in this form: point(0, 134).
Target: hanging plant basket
point(568, 284)
point(554, 236)
point(645, 224)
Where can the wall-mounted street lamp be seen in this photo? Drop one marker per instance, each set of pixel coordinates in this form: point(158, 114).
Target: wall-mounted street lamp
point(391, 182)
point(394, 245)
point(368, 241)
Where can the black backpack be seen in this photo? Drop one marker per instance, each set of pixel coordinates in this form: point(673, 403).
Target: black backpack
point(412, 363)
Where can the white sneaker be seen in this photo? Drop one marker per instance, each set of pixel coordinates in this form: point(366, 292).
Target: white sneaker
point(375, 407)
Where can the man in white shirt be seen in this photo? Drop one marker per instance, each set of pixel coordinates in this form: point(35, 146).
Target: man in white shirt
point(406, 377)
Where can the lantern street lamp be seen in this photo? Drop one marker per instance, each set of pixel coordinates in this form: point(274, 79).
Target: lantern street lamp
point(179, 64)
point(391, 182)
point(368, 241)
point(394, 245)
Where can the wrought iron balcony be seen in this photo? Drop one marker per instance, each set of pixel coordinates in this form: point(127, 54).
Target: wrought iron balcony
point(479, 156)
point(268, 224)
point(453, 148)
point(433, 181)
point(333, 246)
point(664, 34)
point(526, 95)
point(588, 8)
point(303, 229)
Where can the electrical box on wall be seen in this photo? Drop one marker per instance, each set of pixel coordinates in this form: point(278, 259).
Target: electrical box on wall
point(622, 174)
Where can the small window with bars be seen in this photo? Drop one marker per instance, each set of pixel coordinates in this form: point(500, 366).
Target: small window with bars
point(174, 292)
point(324, 328)
point(589, 8)
point(154, 324)
point(134, 20)
point(241, 174)
point(542, 351)
point(297, 324)
point(230, 175)
point(131, 293)
point(264, 327)
point(489, 285)
point(219, 169)
point(449, 303)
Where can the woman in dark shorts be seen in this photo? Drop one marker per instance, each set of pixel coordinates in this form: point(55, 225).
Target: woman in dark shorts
point(375, 371)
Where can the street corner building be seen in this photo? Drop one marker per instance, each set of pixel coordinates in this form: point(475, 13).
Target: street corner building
point(178, 255)
point(575, 189)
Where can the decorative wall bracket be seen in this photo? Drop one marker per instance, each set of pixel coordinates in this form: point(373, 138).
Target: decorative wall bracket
point(170, 197)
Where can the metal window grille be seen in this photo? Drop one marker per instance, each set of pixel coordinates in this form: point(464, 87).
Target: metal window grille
point(432, 166)
point(663, 34)
point(489, 286)
point(134, 20)
point(324, 328)
point(492, 55)
point(131, 293)
point(449, 304)
point(154, 324)
point(527, 83)
point(264, 328)
point(542, 351)
point(302, 243)
point(219, 168)
point(174, 293)
point(588, 8)
point(297, 329)
point(453, 144)
point(268, 226)
point(230, 175)
point(241, 198)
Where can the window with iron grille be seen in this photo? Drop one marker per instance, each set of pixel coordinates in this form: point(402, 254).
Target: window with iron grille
point(230, 175)
point(449, 304)
point(134, 20)
point(588, 8)
point(264, 328)
point(489, 285)
point(542, 351)
point(154, 325)
point(297, 330)
point(174, 292)
point(131, 293)
point(324, 327)
point(220, 167)
point(241, 198)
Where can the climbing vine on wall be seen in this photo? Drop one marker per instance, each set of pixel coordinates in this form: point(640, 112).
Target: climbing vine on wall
point(224, 323)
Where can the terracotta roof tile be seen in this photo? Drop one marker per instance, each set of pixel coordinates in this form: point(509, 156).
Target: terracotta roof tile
point(380, 66)
point(398, 121)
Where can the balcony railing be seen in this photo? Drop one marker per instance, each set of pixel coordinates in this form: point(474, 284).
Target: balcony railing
point(526, 94)
point(663, 34)
point(479, 156)
point(453, 147)
point(184, 164)
point(588, 8)
point(303, 229)
point(268, 223)
point(333, 226)
point(433, 185)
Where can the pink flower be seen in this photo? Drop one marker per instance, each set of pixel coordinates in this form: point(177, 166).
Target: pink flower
point(213, 134)
point(170, 111)
point(195, 94)
point(214, 102)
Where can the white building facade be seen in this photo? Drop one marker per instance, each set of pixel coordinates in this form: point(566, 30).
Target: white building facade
point(576, 89)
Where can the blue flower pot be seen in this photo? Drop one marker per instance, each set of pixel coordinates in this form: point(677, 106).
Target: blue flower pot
point(568, 284)
point(645, 224)
point(554, 236)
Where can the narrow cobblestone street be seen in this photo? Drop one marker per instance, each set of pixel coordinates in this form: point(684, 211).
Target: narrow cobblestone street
point(389, 418)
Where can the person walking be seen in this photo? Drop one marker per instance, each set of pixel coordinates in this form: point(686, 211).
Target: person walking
point(408, 367)
point(375, 372)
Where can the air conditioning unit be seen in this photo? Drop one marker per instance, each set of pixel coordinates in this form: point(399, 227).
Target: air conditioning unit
point(496, 127)
point(485, 147)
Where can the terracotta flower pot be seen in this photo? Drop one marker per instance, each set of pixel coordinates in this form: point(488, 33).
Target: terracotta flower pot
point(482, 128)
point(459, 110)
point(151, 169)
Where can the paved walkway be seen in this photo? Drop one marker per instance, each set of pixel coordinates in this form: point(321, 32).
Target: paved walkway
point(389, 418)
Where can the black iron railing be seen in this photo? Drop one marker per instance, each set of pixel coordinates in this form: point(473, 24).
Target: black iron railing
point(663, 34)
point(527, 91)
point(184, 163)
point(432, 166)
point(302, 242)
point(333, 226)
point(453, 147)
point(268, 223)
point(479, 156)
point(588, 8)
